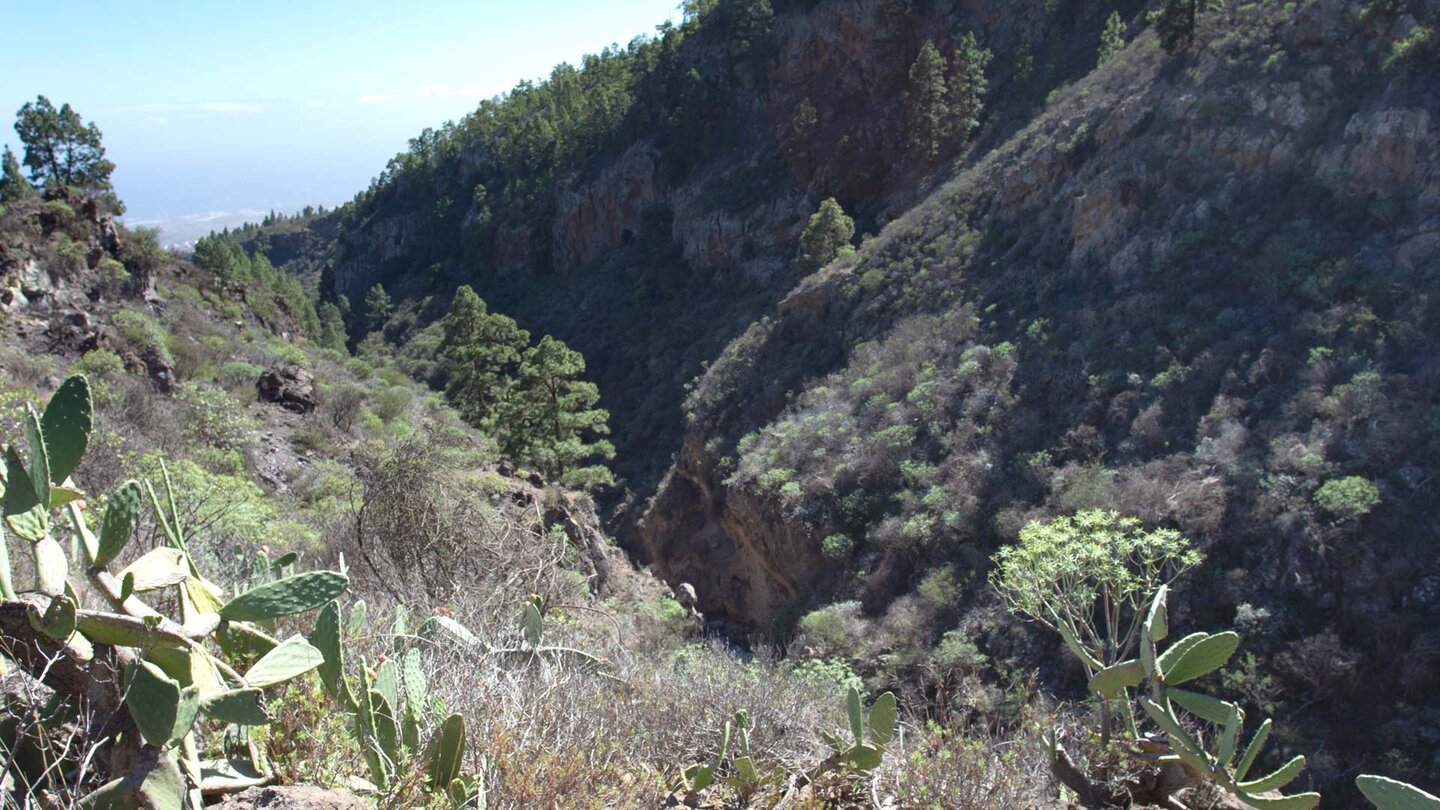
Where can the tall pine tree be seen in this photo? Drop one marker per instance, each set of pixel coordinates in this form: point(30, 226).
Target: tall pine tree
point(61, 150)
point(927, 103)
point(378, 307)
point(968, 85)
point(480, 353)
point(550, 419)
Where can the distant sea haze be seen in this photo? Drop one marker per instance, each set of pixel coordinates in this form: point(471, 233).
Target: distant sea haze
point(183, 231)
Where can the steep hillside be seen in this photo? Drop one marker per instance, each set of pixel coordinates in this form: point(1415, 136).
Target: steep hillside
point(659, 189)
point(1195, 284)
point(352, 467)
point(1198, 287)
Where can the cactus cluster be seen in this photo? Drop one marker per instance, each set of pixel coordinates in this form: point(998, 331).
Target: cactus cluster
point(390, 706)
point(1226, 763)
point(146, 678)
point(872, 732)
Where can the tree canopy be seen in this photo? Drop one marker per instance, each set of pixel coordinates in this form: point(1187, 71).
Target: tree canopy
point(61, 150)
point(927, 101)
point(1089, 576)
point(530, 398)
point(826, 237)
point(481, 353)
point(550, 414)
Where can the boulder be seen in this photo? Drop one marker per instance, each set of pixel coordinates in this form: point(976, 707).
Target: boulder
point(289, 386)
point(294, 797)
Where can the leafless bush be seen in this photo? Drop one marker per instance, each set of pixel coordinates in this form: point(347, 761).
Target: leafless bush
point(342, 406)
point(47, 746)
point(415, 521)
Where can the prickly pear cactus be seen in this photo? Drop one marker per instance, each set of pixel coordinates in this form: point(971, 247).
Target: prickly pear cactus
point(172, 671)
point(1227, 763)
point(1388, 794)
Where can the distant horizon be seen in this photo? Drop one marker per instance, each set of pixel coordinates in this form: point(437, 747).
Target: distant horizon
point(304, 107)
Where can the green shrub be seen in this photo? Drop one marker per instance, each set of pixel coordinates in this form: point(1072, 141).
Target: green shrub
point(99, 364)
point(61, 212)
point(214, 418)
point(828, 673)
point(837, 547)
point(957, 652)
point(1348, 498)
point(237, 373)
point(70, 256)
point(144, 334)
point(113, 276)
point(834, 629)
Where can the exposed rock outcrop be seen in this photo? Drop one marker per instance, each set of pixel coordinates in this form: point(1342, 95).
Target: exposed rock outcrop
point(289, 386)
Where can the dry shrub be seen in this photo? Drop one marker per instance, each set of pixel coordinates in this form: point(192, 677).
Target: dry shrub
point(419, 523)
point(1321, 666)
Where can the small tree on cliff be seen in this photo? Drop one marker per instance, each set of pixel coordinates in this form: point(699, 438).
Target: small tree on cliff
point(1175, 22)
point(927, 103)
point(61, 150)
point(13, 185)
point(480, 353)
point(378, 307)
point(549, 418)
point(1112, 39)
point(826, 237)
point(968, 85)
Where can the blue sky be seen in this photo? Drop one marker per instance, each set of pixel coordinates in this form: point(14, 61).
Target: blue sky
point(225, 106)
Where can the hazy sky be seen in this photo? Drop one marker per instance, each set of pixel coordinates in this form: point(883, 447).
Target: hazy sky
point(221, 105)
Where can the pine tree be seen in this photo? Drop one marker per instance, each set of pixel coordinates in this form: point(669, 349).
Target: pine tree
point(332, 326)
point(13, 185)
point(480, 353)
point(927, 103)
point(968, 85)
point(378, 307)
point(1175, 22)
point(60, 149)
point(826, 237)
point(550, 415)
point(1112, 39)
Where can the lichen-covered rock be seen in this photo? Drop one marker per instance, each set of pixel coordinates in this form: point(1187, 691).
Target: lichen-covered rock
point(289, 386)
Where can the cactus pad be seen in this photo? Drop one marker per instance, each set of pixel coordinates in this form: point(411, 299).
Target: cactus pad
point(66, 427)
point(285, 597)
point(118, 524)
point(292, 658)
point(1388, 794)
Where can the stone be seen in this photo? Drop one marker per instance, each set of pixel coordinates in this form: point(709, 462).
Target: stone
point(289, 386)
point(294, 797)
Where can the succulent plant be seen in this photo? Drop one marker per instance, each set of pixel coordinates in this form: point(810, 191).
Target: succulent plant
point(862, 755)
point(172, 672)
point(1388, 794)
point(391, 704)
point(1227, 763)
